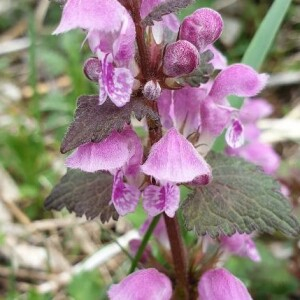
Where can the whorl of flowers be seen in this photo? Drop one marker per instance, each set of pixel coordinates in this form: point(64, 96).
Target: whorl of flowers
point(142, 54)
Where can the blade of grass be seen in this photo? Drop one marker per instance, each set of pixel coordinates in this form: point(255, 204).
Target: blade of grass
point(259, 48)
point(144, 244)
point(262, 41)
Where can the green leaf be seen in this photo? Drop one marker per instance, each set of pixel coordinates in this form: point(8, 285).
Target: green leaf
point(86, 194)
point(240, 198)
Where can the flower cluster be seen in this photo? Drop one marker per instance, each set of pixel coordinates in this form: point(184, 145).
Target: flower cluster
point(169, 67)
point(192, 116)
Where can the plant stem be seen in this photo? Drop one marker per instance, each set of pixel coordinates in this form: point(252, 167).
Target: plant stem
point(179, 257)
point(140, 39)
point(155, 134)
point(143, 244)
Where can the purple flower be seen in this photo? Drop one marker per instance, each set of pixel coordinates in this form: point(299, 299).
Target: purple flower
point(104, 15)
point(256, 151)
point(219, 284)
point(125, 197)
point(118, 150)
point(235, 134)
point(158, 199)
point(144, 284)
point(202, 28)
point(241, 245)
point(174, 159)
point(110, 154)
point(216, 114)
point(115, 83)
point(181, 109)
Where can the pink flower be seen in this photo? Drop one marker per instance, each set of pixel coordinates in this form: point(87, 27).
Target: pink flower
point(125, 197)
point(121, 154)
point(181, 109)
point(158, 199)
point(104, 15)
point(219, 284)
point(240, 244)
point(255, 151)
point(174, 159)
point(148, 284)
point(216, 114)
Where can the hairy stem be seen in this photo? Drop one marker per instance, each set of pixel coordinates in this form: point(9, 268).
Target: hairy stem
point(179, 257)
point(140, 39)
point(144, 244)
point(155, 134)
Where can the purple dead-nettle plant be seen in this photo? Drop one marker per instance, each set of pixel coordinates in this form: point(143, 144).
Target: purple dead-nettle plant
point(170, 77)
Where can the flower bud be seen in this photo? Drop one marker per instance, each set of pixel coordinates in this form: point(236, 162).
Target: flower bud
point(152, 90)
point(92, 68)
point(180, 58)
point(142, 284)
point(201, 28)
point(219, 284)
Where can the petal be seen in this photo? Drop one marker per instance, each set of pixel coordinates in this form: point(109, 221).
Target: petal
point(238, 79)
point(242, 245)
point(215, 118)
point(125, 197)
point(174, 159)
point(92, 69)
point(171, 22)
point(93, 14)
point(148, 284)
point(255, 109)
point(181, 109)
point(124, 45)
point(117, 82)
point(219, 284)
point(235, 134)
point(110, 154)
point(201, 28)
point(161, 199)
point(262, 155)
point(135, 147)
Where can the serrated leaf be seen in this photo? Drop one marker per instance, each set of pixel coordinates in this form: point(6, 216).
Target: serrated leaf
point(240, 198)
point(94, 122)
point(83, 193)
point(167, 7)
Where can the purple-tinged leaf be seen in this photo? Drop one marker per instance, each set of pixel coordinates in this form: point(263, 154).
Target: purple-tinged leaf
point(94, 122)
point(241, 198)
point(165, 8)
point(83, 193)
